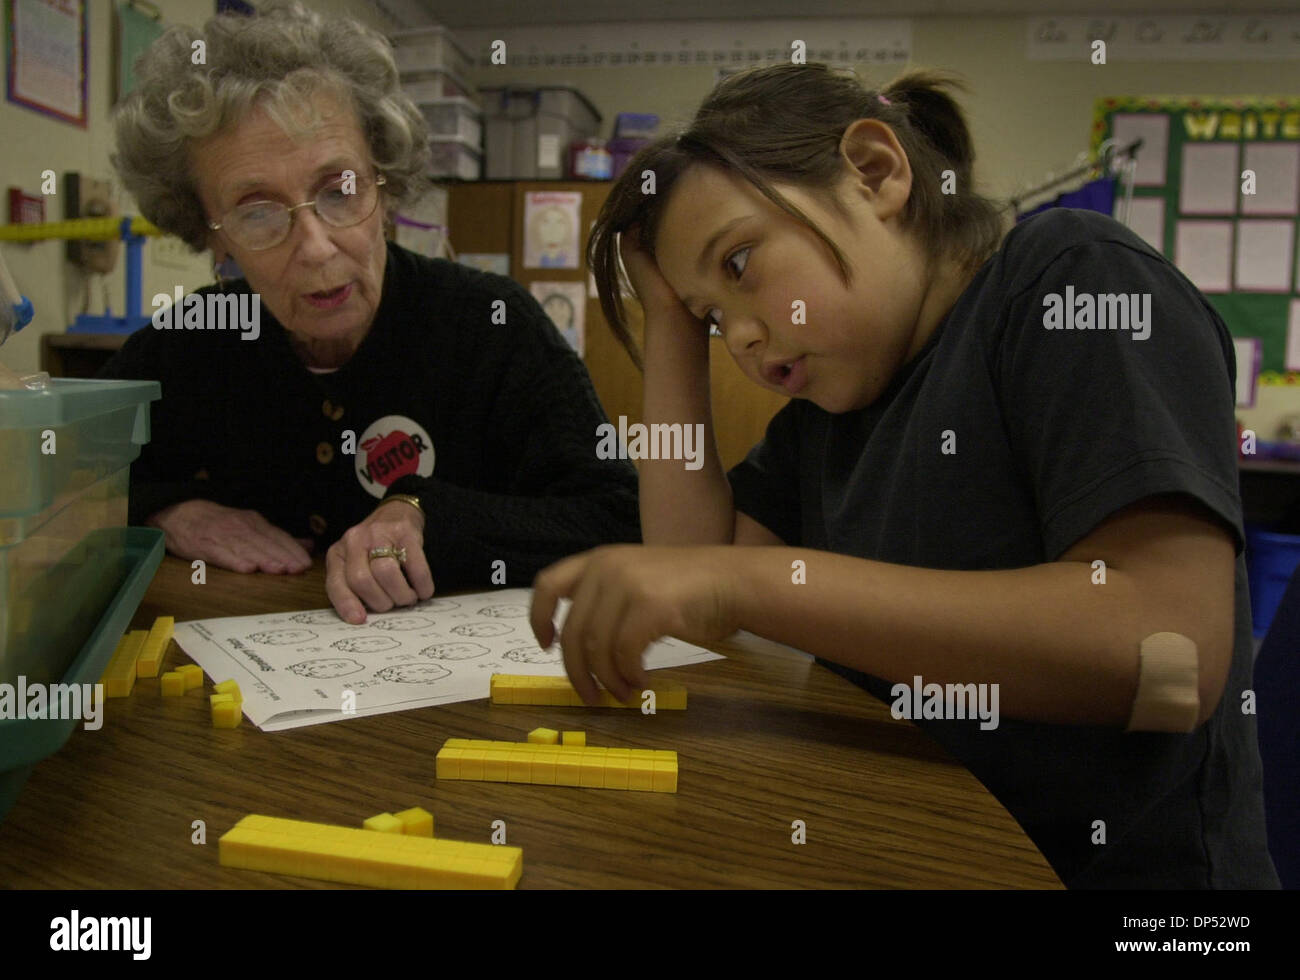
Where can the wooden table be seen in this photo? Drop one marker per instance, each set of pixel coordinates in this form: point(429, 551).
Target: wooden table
point(769, 738)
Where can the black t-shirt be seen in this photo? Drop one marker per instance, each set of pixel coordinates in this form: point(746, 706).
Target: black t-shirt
point(1054, 431)
point(493, 424)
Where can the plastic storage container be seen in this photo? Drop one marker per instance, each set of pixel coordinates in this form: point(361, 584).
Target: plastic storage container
point(430, 86)
point(623, 149)
point(430, 49)
point(1271, 560)
point(65, 553)
point(529, 130)
point(589, 159)
point(455, 119)
point(106, 576)
point(452, 158)
point(635, 125)
point(67, 450)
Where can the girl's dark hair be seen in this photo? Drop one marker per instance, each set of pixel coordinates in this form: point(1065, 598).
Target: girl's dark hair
point(784, 124)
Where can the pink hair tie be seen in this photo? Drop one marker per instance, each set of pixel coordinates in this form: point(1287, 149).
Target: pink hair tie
point(883, 100)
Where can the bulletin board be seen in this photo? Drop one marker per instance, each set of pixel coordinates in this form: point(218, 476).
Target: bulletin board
point(46, 50)
point(1233, 234)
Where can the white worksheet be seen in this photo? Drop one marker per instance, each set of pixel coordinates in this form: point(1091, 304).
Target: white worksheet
point(296, 668)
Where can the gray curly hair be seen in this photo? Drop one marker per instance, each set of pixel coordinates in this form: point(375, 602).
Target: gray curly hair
point(277, 60)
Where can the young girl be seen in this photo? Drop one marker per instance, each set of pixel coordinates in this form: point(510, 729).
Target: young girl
point(1004, 462)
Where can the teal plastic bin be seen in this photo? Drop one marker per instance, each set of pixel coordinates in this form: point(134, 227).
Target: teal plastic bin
point(1271, 559)
point(71, 572)
point(119, 563)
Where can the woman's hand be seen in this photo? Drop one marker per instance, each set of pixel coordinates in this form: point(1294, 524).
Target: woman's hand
point(627, 596)
point(654, 294)
point(354, 582)
point(240, 540)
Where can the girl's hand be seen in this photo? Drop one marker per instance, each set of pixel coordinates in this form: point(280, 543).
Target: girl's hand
point(627, 596)
point(654, 294)
point(353, 581)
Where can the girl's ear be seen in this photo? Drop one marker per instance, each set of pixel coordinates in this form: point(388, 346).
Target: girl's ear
point(880, 168)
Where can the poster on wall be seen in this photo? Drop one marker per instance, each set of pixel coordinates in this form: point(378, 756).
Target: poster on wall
point(566, 304)
point(46, 45)
point(137, 25)
point(1217, 190)
point(551, 229)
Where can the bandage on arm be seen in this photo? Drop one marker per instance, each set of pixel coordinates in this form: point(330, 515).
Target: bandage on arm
point(1168, 693)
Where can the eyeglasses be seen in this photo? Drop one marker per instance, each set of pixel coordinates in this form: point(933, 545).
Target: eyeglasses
point(341, 203)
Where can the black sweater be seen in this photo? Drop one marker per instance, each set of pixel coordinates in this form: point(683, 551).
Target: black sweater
point(493, 426)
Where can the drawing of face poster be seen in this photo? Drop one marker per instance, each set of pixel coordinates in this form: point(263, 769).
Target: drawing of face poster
point(551, 229)
point(566, 305)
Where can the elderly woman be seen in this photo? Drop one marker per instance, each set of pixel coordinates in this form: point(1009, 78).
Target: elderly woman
point(421, 420)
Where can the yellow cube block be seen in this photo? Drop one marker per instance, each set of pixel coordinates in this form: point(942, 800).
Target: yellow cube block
point(172, 684)
point(520, 768)
point(227, 715)
point(641, 774)
point(119, 675)
point(616, 772)
point(496, 765)
point(501, 690)
point(544, 768)
point(155, 647)
point(544, 736)
point(193, 675)
point(231, 688)
point(672, 698)
point(665, 777)
point(568, 769)
point(384, 823)
point(575, 738)
point(215, 699)
point(471, 766)
point(448, 763)
point(416, 822)
point(593, 772)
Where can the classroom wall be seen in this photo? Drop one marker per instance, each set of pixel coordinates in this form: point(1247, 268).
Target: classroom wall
point(1028, 118)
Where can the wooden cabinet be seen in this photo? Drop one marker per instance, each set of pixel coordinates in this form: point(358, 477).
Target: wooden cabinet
point(488, 216)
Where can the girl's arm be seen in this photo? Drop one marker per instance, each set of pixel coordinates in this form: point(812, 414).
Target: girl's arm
point(1060, 648)
point(678, 506)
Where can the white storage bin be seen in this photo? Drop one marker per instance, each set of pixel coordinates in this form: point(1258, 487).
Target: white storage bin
point(529, 129)
point(452, 158)
point(432, 86)
point(458, 119)
point(429, 49)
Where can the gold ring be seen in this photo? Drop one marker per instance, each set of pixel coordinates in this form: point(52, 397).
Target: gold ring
point(389, 552)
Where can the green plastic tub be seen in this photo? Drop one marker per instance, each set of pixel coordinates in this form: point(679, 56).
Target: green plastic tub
point(71, 572)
